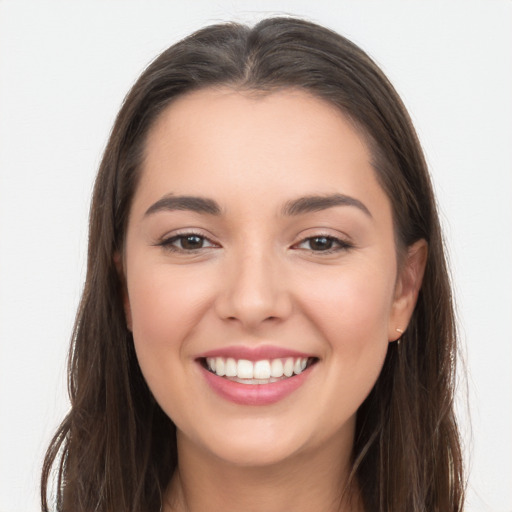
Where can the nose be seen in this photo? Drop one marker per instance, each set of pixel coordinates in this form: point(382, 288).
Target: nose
point(254, 291)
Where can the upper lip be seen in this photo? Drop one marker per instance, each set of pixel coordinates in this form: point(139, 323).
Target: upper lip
point(253, 353)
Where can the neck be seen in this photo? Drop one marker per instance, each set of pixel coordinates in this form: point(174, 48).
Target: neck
point(315, 480)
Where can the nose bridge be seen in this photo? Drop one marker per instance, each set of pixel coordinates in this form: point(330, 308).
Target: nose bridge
point(254, 289)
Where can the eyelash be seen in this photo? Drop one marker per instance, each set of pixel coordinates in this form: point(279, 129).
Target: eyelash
point(336, 243)
point(167, 243)
point(339, 245)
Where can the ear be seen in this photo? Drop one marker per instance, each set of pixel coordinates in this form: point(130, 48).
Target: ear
point(118, 262)
point(407, 288)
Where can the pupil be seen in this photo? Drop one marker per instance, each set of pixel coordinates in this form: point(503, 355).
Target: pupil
point(192, 242)
point(321, 243)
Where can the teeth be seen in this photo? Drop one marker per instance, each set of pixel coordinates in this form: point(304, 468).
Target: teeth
point(231, 367)
point(288, 367)
point(261, 370)
point(245, 369)
point(254, 372)
point(219, 366)
point(276, 368)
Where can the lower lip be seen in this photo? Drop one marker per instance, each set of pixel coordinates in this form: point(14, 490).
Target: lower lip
point(254, 394)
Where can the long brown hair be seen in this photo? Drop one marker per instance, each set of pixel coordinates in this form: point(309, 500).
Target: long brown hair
point(116, 449)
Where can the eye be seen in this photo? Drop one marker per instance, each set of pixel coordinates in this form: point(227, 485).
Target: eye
point(187, 242)
point(323, 243)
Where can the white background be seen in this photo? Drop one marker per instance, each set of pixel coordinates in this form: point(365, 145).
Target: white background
point(64, 69)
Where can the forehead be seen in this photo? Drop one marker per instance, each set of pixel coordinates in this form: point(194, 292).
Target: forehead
point(217, 118)
point(267, 147)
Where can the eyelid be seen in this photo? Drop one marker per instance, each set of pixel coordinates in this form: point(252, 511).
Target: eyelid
point(342, 243)
point(167, 240)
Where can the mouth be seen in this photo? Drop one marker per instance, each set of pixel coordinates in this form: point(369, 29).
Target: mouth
point(264, 371)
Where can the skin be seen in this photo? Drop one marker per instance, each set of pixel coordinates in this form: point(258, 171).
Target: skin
point(257, 281)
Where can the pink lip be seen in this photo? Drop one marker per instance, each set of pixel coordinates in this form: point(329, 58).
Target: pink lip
point(254, 394)
point(256, 353)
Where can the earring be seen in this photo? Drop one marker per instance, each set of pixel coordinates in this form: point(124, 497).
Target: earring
point(401, 332)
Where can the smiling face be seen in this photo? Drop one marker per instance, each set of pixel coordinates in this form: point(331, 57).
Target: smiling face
point(260, 245)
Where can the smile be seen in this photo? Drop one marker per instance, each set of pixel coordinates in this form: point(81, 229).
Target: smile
point(258, 381)
point(264, 371)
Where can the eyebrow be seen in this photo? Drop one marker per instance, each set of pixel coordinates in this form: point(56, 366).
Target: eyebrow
point(317, 203)
point(294, 207)
point(190, 203)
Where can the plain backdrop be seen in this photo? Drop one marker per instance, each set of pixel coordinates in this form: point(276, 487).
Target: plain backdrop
point(64, 70)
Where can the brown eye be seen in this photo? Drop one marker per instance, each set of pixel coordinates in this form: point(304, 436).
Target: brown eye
point(188, 242)
point(191, 242)
point(321, 243)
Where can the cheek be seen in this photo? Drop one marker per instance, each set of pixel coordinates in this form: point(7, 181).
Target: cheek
point(166, 306)
point(352, 306)
point(351, 312)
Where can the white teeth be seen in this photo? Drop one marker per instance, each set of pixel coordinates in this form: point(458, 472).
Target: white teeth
point(231, 367)
point(288, 367)
point(245, 369)
point(276, 368)
point(259, 372)
point(262, 369)
point(220, 367)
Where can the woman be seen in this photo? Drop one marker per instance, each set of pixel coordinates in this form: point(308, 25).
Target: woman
point(267, 320)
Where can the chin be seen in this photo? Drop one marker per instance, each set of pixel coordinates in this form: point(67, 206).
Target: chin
point(254, 456)
point(257, 444)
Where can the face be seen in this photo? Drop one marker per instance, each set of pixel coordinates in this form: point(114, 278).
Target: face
point(261, 274)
